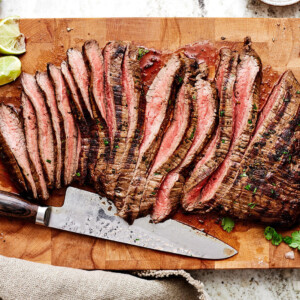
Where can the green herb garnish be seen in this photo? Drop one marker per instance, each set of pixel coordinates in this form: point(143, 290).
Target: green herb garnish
point(249, 121)
point(180, 79)
point(298, 92)
point(48, 161)
point(243, 175)
point(248, 187)
point(117, 146)
point(272, 235)
point(222, 113)
point(255, 189)
point(227, 224)
point(223, 141)
point(106, 142)
point(156, 173)
point(78, 174)
point(194, 97)
point(251, 205)
point(294, 241)
point(141, 53)
point(254, 107)
point(192, 134)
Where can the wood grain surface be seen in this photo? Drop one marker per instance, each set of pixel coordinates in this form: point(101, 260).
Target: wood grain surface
point(278, 44)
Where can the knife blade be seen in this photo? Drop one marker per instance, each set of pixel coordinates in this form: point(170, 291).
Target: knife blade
point(90, 214)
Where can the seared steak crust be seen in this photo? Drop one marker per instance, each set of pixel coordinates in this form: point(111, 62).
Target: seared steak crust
point(267, 184)
point(207, 164)
point(14, 149)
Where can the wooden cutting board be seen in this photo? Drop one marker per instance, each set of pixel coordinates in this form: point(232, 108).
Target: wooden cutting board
point(278, 44)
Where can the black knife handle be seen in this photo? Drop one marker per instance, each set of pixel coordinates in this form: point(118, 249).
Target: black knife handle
point(11, 205)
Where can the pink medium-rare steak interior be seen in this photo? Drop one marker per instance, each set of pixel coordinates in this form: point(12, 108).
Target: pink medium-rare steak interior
point(157, 102)
point(12, 132)
point(95, 58)
point(31, 135)
point(46, 86)
point(45, 132)
point(80, 75)
point(70, 128)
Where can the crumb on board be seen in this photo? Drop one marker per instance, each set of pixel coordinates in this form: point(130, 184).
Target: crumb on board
point(290, 255)
point(69, 29)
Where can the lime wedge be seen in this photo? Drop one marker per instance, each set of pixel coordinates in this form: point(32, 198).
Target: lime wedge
point(11, 40)
point(10, 69)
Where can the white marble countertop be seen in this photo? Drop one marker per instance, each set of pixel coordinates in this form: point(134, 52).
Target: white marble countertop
point(227, 284)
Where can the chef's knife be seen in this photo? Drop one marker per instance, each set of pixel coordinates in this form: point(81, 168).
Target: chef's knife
point(88, 213)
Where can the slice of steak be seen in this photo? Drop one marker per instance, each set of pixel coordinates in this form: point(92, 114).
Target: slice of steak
point(175, 143)
point(247, 98)
point(170, 192)
point(31, 136)
point(162, 91)
point(116, 104)
point(47, 88)
point(93, 54)
point(132, 88)
point(70, 127)
point(225, 79)
point(99, 146)
point(82, 117)
point(14, 149)
point(80, 75)
point(266, 187)
point(45, 131)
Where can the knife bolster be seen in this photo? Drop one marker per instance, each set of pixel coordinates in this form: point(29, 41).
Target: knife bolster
point(42, 216)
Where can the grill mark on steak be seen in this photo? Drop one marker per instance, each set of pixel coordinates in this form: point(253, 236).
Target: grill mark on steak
point(46, 87)
point(31, 136)
point(270, 184)
point(13, 144)
point(115, 101)
point(83, 119)
point(45, 131)
point(157, 114)
point(219, 146)
point(80, 75)
point(70, 127)
point(170, 192)
point(132, 87)
point(246, 104)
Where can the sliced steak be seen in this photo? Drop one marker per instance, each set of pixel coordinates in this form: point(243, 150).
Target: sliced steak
point(132, 88)
point(245, 115)
point(99, 145)
point(70, 127)
point(117, 111)
point(162, 91)
point(174, 146)
point(80, 75)
point(45, 131)
point(47, 88)
point(170, 192)
point(207, 164)
point(31, 136)
point(83, 119)
point(267, 184)
point(14, 149)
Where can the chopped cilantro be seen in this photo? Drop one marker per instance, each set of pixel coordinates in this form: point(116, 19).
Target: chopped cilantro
point(48, 161)
point(194, 97)
point(224, 88)
point(192, 134)
point(272, 191)
point(223, 141)
point(247, 187)
point(298, 92)
point(153, 193)
point(273, 236)
point(227, 224)
point(249, 121)
point(255, 189)
point(168, 169)
point(294, 241)
point(180, 79)
point(222, 113)
point(156, 173)
point(136, 240)
point(78, 174)
point(142, 52)
point(273, 183)
point(106, 142)
point(251, 205)
point(117, 146)
point(254, 107)
point(285, 152)
point(243, 174)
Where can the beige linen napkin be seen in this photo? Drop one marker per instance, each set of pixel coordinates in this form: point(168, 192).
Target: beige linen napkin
point(20, 279)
